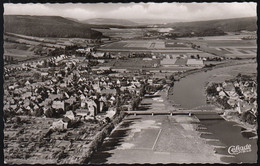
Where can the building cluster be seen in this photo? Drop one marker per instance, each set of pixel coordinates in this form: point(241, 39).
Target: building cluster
point(182, 60)
point(64, 86)
point(240, 95)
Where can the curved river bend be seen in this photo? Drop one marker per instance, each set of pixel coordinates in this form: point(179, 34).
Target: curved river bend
point(189, 92)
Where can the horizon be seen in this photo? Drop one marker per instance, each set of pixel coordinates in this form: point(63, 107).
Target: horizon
point(186, 12)
point(132, 20)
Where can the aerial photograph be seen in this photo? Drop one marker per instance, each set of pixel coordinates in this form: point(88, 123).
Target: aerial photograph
point(130, 83)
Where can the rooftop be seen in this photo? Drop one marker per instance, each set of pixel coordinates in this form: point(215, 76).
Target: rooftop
point(194, 62)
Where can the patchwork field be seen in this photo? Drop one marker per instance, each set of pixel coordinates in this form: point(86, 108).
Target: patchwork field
point(134, 63)
point(121, 33)
point(230, 46)
point(137, 44)
point(154, 46)
point(22, 47)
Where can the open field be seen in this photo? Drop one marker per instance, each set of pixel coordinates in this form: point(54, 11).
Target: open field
point(152, 46)
point(230, 36)
point(131, 63)
point(137, 44)
point(228, 46)
point(121, 33)
point(22, 47)
point(148, 44)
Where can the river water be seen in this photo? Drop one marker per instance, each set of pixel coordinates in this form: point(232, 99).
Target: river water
point(189, 92)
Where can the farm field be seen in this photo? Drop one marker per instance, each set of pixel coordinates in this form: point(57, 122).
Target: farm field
point(22, 47)
point(121, 33)
point(127, 33)
point(230, 46)
point(139, 44)
point(153, 46)
point(213, 38)
point(135, 63)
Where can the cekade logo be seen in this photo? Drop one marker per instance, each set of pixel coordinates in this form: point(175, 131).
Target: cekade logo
point(239, 149)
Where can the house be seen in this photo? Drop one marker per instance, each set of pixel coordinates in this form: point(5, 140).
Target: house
point(44, 74)
point(27, 83)
point(243, 106)
point(58, 104)
point(54, 96)
point(59, 125)
point(219, 88)
point(195, 62)
point(150, 81)
point(104, 68)
point(236, 84)
point(120, 70)
point(110, 113)
point(230, 90)
point(108, 91)
point(101, 60)
point(92, 107)
point(82, 113)
point(168, 62)
point(222, 94)
point(147, 59)
point(232, 102)
point(98, 54)
point(70, 115)
point(26, 95)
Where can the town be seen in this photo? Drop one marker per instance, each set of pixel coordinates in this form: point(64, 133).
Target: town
point(126, 91)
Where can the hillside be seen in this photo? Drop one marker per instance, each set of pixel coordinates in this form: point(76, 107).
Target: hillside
point(47, 26)
point(108, 21)
point(226, 25)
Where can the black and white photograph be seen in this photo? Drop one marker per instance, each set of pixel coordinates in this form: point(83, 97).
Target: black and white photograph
point(130, 83)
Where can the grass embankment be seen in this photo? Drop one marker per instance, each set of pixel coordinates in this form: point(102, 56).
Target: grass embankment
point(98, 139)
point(224, 64)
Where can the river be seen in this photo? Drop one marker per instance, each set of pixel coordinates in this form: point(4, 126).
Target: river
point(170, 139)
point(189, 92)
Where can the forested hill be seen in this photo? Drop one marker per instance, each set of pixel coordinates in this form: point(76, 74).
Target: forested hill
point(226, 25)
point(48, 26)
point(107, 21)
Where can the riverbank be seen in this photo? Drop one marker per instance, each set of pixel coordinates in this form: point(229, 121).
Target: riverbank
point(156, 139)
point(235, 118)
point(190, 91)
point(190, 97)
point(224, 64)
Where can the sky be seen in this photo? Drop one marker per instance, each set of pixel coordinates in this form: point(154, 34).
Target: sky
point(172, 11)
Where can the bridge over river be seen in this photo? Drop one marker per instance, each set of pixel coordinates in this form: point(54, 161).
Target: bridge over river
point(161, 133)
point(174, 112)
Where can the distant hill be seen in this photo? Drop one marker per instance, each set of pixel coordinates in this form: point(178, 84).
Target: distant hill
point(226, 25)
point(155, 21)
point(47, 26)
point(108, 21)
